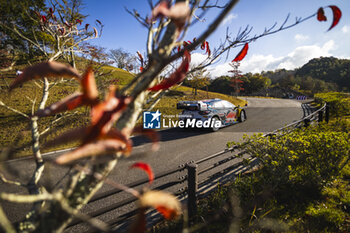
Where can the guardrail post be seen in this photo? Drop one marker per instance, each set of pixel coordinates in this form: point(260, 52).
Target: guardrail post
point(320, 116)
point(192, 182)
point(327, 113)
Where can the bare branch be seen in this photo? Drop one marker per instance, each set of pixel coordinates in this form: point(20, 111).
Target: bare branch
point(5, 223)
point(94, 222)
point(25, 38)
point(10, 67)
point(3, 178)
point(13, 110)
point(55, 121)
point(18, 198)
point(137, 16)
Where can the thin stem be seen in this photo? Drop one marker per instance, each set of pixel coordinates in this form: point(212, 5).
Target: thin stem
point(5, 223)
point(13, 110)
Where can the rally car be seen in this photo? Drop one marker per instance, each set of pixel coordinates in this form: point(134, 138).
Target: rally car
point(214, 110)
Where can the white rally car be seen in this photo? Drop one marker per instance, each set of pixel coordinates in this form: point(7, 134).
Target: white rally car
point(216, 112)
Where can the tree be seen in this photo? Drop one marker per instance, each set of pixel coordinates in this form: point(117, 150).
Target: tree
point(122, 59)
point(15, 13)
point(57, 35)
point(198, 80)
point(121, 108)
point(254, 83)
point(236, 81)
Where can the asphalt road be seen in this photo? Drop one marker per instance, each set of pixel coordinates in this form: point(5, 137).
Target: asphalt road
point(177, 146)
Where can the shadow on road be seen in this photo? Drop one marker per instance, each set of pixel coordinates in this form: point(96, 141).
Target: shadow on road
point(172, 134)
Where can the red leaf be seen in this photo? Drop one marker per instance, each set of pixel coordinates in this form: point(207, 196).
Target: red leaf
point(91, 149)
point(88, 97)
point(160, 10)
point(179, 13)
point(176, 77)
point(151, 134)
point(87, 26)
point(69, 103)
point(79, 21)
point(141, 69)
point(207, 48)
point(146, 168)
point(109, 103)
point(336, 16)
point(51, 10)
point(69, 136)
point(115, 134)
point(45, 69)
point(203, 45)
point(43, 18)
point(140, 57)
point(241, 54)
point(164, 202)
point(89, 85)
point(104, 114)
point(320, 15)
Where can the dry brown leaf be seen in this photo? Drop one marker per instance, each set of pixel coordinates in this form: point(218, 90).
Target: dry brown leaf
point(68, 103)
point(89, 85)
point(46, 69)
point(151, 134)
point(96, 148)
point(69, 136)
point(165, 203)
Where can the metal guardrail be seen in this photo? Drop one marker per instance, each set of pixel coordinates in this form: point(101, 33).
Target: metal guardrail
point(203, 175)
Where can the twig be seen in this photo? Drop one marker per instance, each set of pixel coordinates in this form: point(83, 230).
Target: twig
point(14, 110)
point(3, 178)
point(5, 223)
point(94, 222)
point(18, 198)
point(108, 181)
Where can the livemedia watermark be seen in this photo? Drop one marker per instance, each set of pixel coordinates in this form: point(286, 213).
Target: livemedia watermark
point(155, 120)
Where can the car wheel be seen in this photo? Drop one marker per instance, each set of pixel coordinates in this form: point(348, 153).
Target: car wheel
point(242, 116)
point(213, 128)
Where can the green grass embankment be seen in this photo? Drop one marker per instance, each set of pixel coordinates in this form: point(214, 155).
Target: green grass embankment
point(15, 129)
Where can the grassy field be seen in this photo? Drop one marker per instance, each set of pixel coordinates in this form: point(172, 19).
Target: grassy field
point(15, 129)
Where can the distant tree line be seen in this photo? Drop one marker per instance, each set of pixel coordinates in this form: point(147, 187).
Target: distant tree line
point(328, 69)
point(322, 74)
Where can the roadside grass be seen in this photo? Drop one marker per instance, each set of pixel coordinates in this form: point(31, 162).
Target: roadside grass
point(294, 191)
point(15, 129)
point(339, 103)
point(303, 185)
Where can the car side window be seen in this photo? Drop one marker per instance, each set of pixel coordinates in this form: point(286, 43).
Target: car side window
point(228, 104)
point(218, 105)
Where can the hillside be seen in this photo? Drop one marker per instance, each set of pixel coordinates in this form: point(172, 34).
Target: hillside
point(329, 69)
point(19, 98)
point(324, 74)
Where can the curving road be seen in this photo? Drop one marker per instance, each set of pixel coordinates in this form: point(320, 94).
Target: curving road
point(177, 146)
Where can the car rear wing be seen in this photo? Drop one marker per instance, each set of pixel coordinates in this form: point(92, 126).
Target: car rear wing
point(192, 105)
